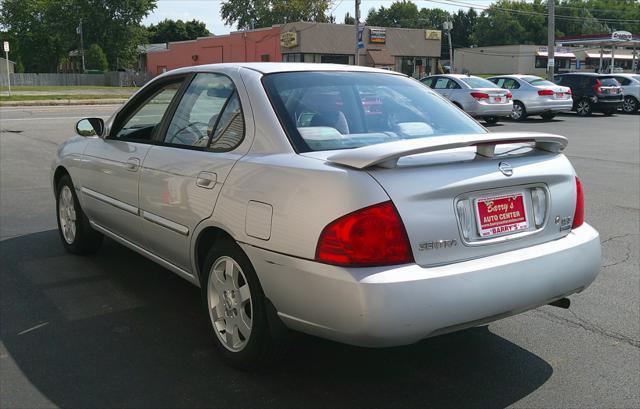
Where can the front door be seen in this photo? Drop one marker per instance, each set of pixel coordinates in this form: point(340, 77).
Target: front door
point(111, 166)
point(183, 172)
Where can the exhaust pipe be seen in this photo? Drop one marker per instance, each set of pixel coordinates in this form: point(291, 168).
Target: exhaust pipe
point(561, 303)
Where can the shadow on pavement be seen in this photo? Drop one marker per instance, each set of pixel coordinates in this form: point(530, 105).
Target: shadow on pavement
point(116, 330)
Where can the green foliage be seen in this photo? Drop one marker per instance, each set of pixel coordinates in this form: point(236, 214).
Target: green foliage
point(176, 30)
point(265, 13)
point(348, 19)
point(44, 31)
point(96, 59)
point(511, 22)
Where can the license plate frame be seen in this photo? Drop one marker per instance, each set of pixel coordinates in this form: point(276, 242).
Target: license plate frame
point(509, 214)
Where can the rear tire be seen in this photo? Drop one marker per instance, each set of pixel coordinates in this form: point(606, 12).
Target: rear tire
point(583, 107)
point(491, 120)
point(548, 115)
point(519, 113)
point(76, 233)
point(630, 105)
point(237, 308)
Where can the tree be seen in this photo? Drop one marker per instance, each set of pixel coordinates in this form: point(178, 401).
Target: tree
point(96, 59)
point(45, 30)
point(265, 13)
point(348, 19)
point(176, 30)
point(511, 22)
point(463, 25)
point(399, 14)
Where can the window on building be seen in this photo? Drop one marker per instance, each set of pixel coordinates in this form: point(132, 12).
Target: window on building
point(293, 57)
point(541, 62)
point(265, 58)
point(334, 59)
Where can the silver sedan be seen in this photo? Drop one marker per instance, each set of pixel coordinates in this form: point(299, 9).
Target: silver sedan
point(476, 96)
point(535, 96)
point(346, 202)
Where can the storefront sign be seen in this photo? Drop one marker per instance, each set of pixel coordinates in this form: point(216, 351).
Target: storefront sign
point(359, 35)
point(289, 39)
point(433, 34)
point(622, 36)
point(377, 35)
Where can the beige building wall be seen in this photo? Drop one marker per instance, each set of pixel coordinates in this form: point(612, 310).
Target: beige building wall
point(324, 38)
point(507, 59)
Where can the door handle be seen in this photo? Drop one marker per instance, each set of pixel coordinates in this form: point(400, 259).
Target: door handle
point(132, 164)
point(206, 180)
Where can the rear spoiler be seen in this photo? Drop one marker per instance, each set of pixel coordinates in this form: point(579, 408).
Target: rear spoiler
point(386, 154)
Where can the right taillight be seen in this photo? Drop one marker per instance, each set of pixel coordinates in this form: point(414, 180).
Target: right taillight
point(480, 95)
point(578, 215)
point(373, 236)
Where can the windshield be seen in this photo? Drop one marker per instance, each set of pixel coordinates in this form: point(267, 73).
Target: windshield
point(477, 82)
point(339, 110)
point(538, 82)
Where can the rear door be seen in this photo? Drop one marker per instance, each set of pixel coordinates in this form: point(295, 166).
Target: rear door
point(184, 171)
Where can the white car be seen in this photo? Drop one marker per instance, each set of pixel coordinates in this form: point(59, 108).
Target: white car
point(630, 84)
point(350, 203)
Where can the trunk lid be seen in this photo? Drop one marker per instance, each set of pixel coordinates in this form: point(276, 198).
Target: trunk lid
point(443, 192)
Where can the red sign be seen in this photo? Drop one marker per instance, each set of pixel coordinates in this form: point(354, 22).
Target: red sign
point(497, 215)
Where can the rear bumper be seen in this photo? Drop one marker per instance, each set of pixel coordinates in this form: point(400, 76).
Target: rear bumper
point(388, 306)
point(607, 105)
point(481, 109)
point(537, 107)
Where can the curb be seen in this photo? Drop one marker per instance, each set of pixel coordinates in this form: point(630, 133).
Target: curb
point(63, 102)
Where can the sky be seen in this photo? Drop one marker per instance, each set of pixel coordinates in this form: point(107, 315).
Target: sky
point(209, 10)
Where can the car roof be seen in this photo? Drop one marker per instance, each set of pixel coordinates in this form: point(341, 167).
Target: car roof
point(276, 67)
point(585, 74)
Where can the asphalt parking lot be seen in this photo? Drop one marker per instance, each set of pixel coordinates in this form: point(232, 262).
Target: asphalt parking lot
point(116, 330)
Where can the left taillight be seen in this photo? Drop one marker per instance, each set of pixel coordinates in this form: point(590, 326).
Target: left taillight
point(373, 236)
point(578, 214)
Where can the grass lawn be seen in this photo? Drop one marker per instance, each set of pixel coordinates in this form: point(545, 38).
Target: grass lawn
point(64, 88)
point(5, 98)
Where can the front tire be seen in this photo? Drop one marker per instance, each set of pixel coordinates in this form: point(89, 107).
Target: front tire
point(630, 105)
point(583, 108)
point(73, 225)
point(236, 307)
point(491, 120)
point(519, 113)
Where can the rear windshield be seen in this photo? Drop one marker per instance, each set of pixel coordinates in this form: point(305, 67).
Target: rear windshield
point(609, 82)
point(341, 110)
point(537, 81)
point(476, 82)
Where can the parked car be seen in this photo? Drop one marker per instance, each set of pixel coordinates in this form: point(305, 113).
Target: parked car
point(534, 96)
point(592, 92)
point(290, 206)
point(630, 84)
point(476, 96)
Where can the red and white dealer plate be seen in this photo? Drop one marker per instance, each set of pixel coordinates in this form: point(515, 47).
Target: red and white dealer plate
point(498, 215)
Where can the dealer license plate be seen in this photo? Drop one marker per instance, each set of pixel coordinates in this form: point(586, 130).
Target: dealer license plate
point(499, 215)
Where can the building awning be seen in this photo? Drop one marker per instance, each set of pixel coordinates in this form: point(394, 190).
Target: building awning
point(381, 57)
point(556, 54)
point(608, 56)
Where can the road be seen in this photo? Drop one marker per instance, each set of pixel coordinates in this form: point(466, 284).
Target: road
point(115, 330)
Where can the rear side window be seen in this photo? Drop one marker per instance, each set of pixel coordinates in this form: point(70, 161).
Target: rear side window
point(428, 82)
point(208, 115)
point(341, 110)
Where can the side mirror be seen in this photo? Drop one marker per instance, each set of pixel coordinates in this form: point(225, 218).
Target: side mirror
point(90, 127)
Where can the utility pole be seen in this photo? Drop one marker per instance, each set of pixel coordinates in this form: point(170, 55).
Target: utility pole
point(551, 37)
point(79, 31)
point(448, 25)
point(359, 31)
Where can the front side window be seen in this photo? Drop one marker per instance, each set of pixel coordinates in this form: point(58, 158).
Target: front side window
point(341, 110)
point(202, 116)
point(141, 124)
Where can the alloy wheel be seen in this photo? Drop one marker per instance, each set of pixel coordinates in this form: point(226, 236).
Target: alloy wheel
point(229, 303)
point(517, 112)
point(583, 108)
point(67, 214)
point(629, 105)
